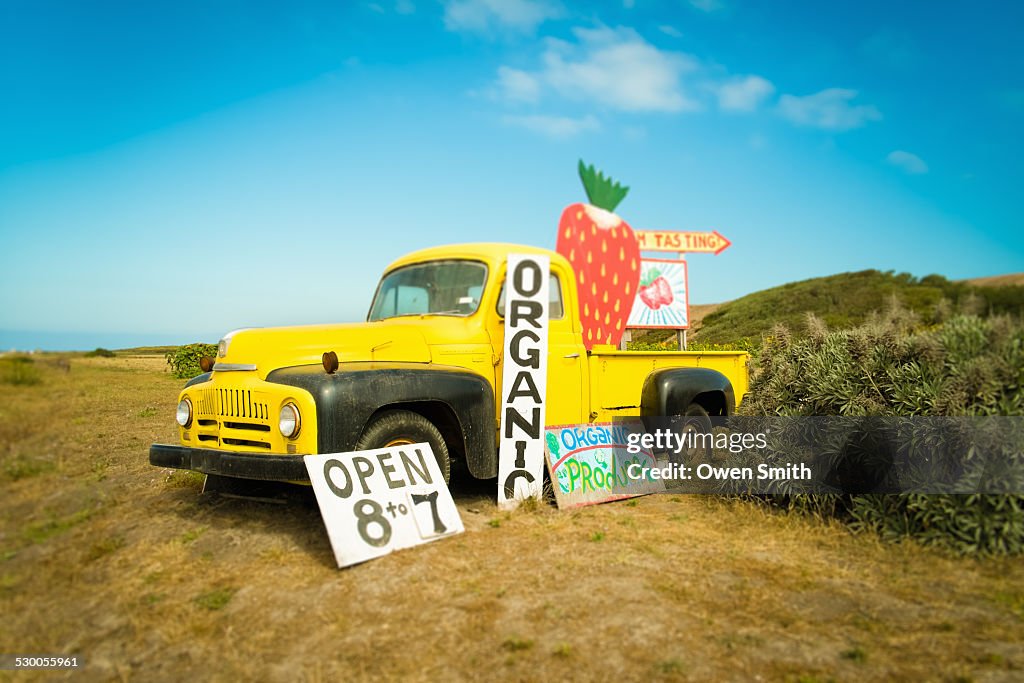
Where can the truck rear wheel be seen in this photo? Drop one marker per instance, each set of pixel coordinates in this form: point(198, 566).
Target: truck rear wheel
point(696, 429)
point(402, 427)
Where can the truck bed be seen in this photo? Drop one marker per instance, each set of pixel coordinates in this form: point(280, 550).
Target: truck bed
point(615, 391)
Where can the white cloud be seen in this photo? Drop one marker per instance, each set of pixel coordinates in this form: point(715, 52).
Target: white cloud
point(708, 6)
point(830, 109)
point(517, 85)
point(620, 70)
point(909, 163)
point(616, 68)
point(670, 30)
point(405, 7)
point(485, 15)
point(554, 126)
point(743, 93)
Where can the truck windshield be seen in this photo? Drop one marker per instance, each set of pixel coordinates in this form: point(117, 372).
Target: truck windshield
point(435, 288)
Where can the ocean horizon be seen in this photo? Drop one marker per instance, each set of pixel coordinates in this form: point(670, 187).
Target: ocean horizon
point(29, 340)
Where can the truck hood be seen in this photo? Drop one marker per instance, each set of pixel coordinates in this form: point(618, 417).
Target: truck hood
point(278, 347)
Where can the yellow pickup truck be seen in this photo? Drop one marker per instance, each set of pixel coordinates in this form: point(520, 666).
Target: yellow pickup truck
point(425, 366)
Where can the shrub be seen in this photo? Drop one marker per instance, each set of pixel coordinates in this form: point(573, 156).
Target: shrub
point(19, 370)
point(184, 360)
point(969, 525)
point(668, 340)
point(896, 364)
point(672, 345)
point(892, 365)
point(101, 352)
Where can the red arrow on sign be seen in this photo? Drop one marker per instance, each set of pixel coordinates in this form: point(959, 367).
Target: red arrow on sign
point(685, 242)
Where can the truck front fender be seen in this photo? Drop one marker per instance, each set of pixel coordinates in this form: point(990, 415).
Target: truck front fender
point(348, 398)
point(671, 391)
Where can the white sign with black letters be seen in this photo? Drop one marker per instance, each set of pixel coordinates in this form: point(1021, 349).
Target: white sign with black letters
point(524, 379)
point(374, 502)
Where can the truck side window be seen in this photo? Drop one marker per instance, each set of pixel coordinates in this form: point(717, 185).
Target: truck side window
point(555, 309)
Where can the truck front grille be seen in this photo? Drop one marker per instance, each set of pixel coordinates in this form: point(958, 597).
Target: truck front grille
point(219, 402)
point(239, 418)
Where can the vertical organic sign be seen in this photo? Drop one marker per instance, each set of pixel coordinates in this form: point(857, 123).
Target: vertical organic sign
point(524, 379)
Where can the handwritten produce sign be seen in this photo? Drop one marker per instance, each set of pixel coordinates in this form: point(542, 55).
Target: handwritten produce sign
point(375, 502)
point(589, 463)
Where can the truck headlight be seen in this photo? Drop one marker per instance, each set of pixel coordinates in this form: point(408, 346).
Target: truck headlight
point(289, 421)
point(184, 415)
point(225, 342)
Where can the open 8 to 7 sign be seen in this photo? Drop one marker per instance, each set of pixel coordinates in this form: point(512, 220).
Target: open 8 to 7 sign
point(374, 502)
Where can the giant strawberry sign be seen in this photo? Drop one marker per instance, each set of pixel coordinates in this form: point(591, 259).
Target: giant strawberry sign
point(605, 256)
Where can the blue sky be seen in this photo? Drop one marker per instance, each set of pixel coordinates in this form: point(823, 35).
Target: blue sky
point(170, 171)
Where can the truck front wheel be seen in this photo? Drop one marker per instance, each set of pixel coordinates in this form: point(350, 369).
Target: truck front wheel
point(402, 427)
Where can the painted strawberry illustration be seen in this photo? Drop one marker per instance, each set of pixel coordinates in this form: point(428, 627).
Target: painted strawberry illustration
point(604, 254)
point(655, 290)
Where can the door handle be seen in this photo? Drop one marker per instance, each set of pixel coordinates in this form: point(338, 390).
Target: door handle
point(572, 355)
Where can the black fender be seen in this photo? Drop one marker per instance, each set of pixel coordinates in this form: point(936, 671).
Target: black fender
point(347, 399)
point(670, 391)
point(199, 379)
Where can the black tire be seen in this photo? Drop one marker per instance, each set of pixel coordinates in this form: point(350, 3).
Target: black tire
point(696, 421)
point(396, 427)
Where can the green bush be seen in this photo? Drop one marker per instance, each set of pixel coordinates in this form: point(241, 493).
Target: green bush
point(892, 365)
point(19, 371)
point(969, 525)
point(184, 360)
point(897, 364)
point(668, 345)
point(101, 352)
point(668, 340)
point(653, 340)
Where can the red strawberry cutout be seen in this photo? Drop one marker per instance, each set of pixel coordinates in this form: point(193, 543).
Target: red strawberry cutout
point(605, 256)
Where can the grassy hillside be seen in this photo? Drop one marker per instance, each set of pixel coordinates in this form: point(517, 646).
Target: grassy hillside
point(846, 299)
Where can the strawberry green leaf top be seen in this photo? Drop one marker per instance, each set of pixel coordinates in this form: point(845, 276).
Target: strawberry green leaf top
point(602, 192)
point(650, 276)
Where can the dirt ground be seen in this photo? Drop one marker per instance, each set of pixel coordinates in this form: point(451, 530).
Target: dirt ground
point(131, 568)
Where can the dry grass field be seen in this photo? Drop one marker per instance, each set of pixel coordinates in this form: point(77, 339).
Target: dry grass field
point(1011, 279)
point(130, 567)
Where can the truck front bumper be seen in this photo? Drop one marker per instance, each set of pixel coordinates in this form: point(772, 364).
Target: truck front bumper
point(228, 464)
